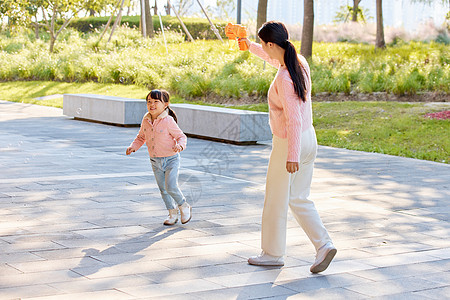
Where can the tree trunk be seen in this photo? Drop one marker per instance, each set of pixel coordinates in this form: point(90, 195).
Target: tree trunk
point(355, 10)
point(167, 7)
point(109, 22)
point(36, 28)
point(52, 43)
point(91, 12)
point(117, 21)
point(379, 42)
point(155, 11)
point(36, 31)
point(261, 17)
point(308, 28)
point(148, 20)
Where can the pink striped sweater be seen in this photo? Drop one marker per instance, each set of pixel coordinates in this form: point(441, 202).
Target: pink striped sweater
point(289, 116)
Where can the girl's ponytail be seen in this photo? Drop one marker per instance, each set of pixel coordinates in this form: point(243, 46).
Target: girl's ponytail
point(172, 114)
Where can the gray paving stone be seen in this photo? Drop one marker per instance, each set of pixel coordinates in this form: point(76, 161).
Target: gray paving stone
point(167, 289)
point(332, 293)
point(323, 282)
point(441, 277)
point(184, 274)
point(79, 219)
point(37, 278)
point(403, 296)
point(401, 285)
point(258, 291)
point(84, 285)
point(104, 294)
point(408, 270)
point(436, 293)
point(34, 290)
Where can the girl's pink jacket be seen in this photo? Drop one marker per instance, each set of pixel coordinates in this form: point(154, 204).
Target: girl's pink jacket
point(160, 137)
point(288, 115)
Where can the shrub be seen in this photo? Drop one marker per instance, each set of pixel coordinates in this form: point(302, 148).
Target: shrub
point(199, 28)
point(208, 68)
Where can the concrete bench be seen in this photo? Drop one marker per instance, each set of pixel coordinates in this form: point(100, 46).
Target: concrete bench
point(218, 123)
point(107, 109)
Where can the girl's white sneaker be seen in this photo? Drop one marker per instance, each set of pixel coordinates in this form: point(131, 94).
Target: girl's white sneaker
point(186, 212)
point(172, 218)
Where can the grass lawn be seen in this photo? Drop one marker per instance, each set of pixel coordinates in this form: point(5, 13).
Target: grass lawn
point(394, 128)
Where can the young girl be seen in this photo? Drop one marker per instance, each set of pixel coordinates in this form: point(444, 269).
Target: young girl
point(294, 149)
point(164, 140)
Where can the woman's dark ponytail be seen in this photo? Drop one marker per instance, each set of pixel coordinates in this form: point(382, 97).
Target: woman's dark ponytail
point(163, 96)
point(276, 32)
point(295, 70)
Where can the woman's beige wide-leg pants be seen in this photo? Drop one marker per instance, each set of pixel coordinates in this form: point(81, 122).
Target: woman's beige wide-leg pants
point(283, 189)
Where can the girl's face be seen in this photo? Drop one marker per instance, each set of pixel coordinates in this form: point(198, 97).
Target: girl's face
point(155, 107)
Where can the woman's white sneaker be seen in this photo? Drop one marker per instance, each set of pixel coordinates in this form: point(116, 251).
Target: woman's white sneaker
point(324, 256)
point(265, 259)
point(172, 218)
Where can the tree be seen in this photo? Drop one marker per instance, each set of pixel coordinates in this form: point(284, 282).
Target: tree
point(148, 20)
point(346, 11)
point(33, 9)
point(182, 7)
point(262, 16)
point(222, 8)
point(447, 18)
point(379, 42)
point(117, 21)
point(65, 10)
point(116, 6)
point(97, 6)
point(308, 28)
point(431, 1)
point(15, 11)
point(355, 10)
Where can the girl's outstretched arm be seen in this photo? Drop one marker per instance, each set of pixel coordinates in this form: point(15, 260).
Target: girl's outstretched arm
point(138, 141)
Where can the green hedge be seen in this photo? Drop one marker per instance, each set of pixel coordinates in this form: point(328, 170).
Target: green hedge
point(199, 28)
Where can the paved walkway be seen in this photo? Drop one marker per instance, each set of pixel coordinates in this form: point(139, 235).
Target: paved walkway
point(80, 220)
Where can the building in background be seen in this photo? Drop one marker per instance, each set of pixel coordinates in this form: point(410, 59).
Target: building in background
point(397, 13)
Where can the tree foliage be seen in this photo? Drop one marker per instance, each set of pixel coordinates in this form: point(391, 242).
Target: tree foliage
point(346, 13)
point(183, 6)
point(17, 12)
point(99, 5)
point(55, 10)
point(25, 12)
point(223, 7)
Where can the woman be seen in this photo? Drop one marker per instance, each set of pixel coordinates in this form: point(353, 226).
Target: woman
point(294, 149)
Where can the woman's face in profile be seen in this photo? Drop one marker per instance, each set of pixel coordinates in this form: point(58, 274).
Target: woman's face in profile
point(268, 48)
